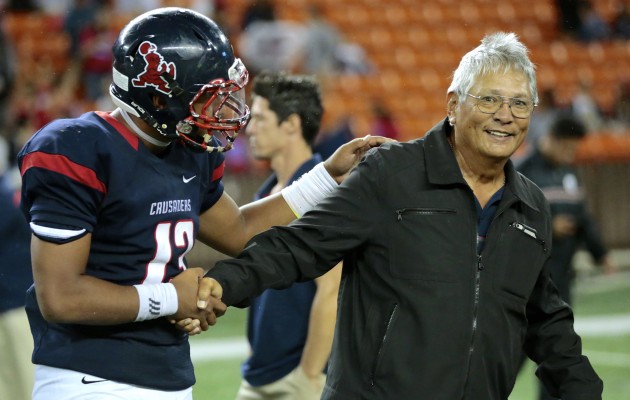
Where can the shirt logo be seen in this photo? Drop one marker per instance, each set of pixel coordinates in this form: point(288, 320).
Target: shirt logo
point(86, 382)
point(170, 206)
point(154, 69)
point(186, 180)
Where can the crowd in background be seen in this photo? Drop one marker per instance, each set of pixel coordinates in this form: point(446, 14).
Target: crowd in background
point(580, 20)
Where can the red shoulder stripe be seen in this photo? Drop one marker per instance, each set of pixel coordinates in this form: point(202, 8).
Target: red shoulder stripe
point(63, 165)
point(122, 129)
point(218, 172)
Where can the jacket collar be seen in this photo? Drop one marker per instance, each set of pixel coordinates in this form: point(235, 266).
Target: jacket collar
point(442, 167)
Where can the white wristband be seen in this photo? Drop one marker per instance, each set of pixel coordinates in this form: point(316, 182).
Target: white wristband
point(305, 193)
point(156, 300)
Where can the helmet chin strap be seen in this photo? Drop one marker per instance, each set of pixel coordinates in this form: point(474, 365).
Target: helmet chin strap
point(139, 131)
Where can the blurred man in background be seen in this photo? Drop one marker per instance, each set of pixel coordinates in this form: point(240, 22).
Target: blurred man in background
point(551, 167)
point(290, 331)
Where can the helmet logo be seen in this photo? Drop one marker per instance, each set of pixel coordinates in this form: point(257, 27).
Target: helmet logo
point(154, 69)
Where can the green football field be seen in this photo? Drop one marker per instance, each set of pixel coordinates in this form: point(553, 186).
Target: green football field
point(602, 308)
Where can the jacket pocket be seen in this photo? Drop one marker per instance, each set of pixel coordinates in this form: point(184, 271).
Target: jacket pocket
point(421, 244)
point(522, 252)
point(382, 347)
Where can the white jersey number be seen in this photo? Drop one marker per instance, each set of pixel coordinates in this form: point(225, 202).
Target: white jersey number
point(182, 234)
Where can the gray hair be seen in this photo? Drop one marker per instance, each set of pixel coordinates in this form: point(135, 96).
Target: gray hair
point(498, 52)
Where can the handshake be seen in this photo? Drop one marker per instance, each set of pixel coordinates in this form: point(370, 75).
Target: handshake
point(199, 301)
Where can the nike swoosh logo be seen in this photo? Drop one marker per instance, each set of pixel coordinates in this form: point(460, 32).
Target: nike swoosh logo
point(86, 382)
point(186, 180)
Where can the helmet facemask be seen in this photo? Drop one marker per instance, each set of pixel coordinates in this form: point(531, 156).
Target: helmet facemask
point(218, 108)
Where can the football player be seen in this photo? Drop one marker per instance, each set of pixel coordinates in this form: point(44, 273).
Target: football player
point(116, 199)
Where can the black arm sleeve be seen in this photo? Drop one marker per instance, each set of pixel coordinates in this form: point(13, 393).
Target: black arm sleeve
point(308, 247)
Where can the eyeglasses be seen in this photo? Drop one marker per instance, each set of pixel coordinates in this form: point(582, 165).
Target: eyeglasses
point(491, 104)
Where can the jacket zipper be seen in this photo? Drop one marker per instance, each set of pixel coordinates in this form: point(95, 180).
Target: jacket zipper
point(471, 349)
point(529, 232)
point(379, 353)
point(423, 211)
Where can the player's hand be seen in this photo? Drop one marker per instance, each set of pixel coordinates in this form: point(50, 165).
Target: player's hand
point(348, 155)
point(193, 326)
point(186, 284)
point(208, 288)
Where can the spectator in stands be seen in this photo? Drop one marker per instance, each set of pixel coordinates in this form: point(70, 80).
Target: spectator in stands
point(290, 331)
point(585, 107)
point(7, 73)
point(593, 27)
point(23, 5)
point(258, 10)
point(81, 15)
point(621, 110)
point(321, 41)
point(550, 166)
point(95, 54)
point(383, 123)
point(273, 46)
point(621, 22)
point(352, 59)
point(569, 18)
point(544, 115)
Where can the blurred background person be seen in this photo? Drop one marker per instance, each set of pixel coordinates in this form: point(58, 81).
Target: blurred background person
point(16, 345)
point(268, 43)
point(7, 71)
point(585, 108)
point(290, 331)
point(551, 167)
point(321, 42)
point(620, 24)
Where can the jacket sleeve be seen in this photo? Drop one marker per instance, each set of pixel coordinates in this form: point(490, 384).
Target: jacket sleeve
point(308, 247)
point(553, 344)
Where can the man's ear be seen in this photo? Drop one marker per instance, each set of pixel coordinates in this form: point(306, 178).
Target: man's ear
point(452, 101)
point(294, 123)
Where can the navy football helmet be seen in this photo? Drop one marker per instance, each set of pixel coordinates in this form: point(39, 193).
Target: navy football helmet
point(176, 69)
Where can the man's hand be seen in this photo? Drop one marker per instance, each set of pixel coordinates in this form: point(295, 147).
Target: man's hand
point(608, 265)
point(208, 288)
point(190, 317)
point(563, 225)
point(346, 157)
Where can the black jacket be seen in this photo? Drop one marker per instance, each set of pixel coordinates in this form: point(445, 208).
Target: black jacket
point(421, 315)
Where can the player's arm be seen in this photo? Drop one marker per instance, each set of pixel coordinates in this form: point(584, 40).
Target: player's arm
point(321, 326)
point(227, 228)
point(65, 293)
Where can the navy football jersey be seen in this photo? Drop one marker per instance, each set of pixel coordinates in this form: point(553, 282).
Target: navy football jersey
point(91, 174)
